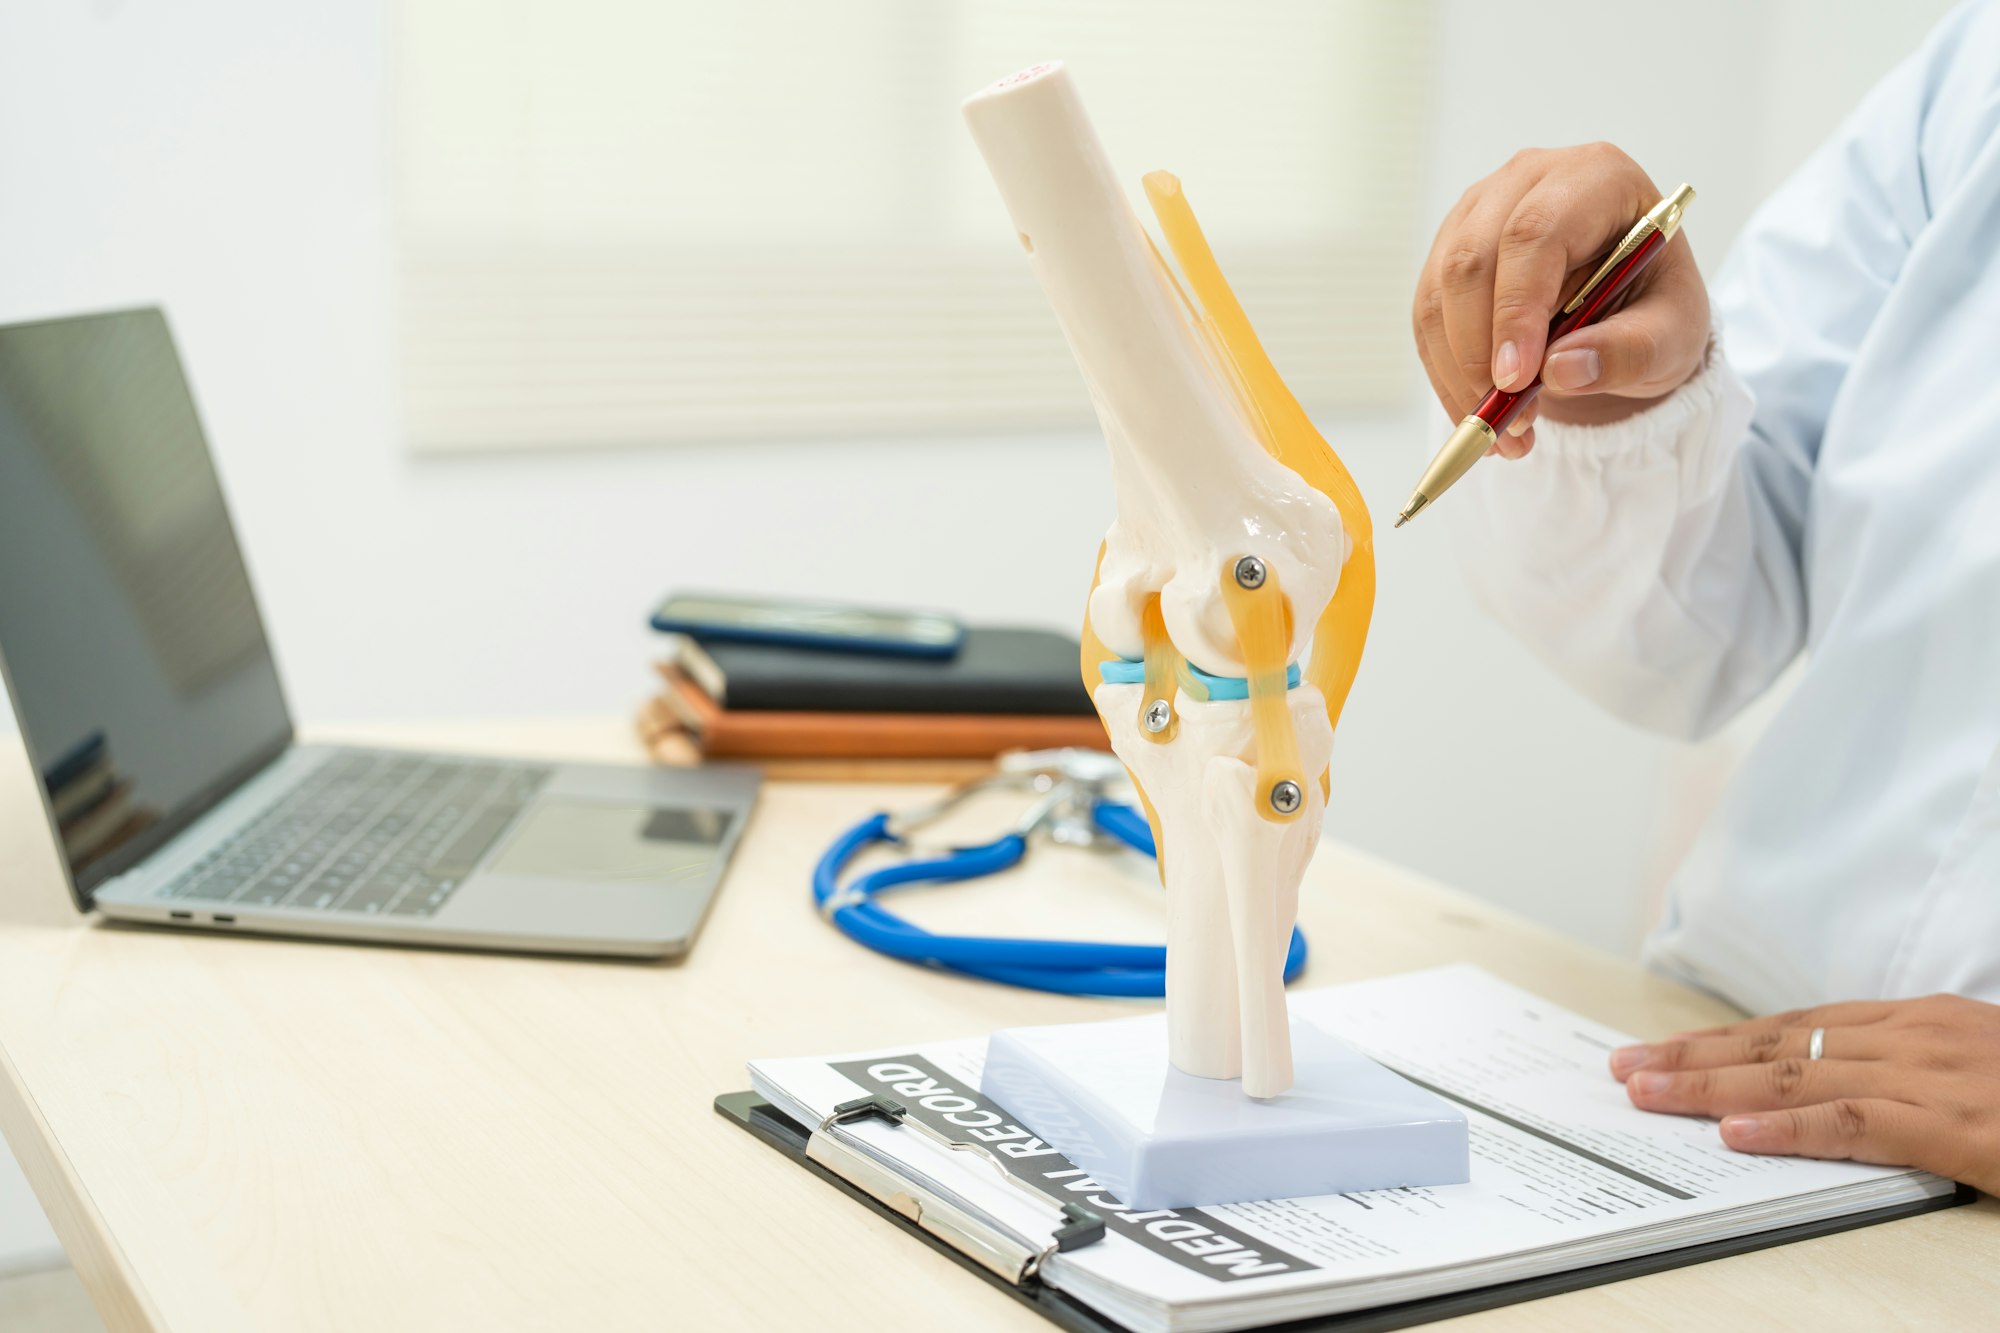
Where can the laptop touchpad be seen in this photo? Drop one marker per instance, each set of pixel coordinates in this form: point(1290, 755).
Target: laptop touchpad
point(573, 840)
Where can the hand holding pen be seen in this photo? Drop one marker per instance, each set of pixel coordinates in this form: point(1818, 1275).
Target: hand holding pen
point(1517, 249)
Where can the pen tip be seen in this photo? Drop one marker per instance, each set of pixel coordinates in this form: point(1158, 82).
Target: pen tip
point(1401, 519)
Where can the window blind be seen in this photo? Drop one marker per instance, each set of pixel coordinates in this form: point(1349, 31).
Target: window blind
point(642, 221)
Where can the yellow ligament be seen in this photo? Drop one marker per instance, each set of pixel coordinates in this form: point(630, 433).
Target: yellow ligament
point(1163, 668)
point(1288, 435)
point(1095, 655)
point(1262, 619)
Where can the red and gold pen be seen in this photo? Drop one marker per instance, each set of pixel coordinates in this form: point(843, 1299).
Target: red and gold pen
point(1478, 432)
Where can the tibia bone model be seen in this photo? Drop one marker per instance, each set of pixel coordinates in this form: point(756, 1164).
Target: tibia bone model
point(1240, 544)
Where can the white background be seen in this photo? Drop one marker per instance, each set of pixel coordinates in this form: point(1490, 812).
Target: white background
point(231, 159)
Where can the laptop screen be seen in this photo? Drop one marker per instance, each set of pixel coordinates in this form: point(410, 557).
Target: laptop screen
point(130, 638)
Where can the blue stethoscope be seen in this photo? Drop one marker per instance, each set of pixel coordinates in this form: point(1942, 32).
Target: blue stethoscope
point(1072, 809)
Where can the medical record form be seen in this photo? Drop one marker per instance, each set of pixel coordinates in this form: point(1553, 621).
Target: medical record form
point(1566, 1173)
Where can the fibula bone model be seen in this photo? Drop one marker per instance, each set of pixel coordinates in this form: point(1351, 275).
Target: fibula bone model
point(1233, 591)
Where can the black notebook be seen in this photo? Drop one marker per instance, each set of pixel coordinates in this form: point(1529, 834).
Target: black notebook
point(996, 670)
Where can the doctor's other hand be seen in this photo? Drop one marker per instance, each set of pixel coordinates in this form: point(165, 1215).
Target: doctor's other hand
point(1898, 1083)
point(1511, 251)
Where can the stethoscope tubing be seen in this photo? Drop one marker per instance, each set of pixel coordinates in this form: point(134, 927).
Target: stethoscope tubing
point(1068, 967)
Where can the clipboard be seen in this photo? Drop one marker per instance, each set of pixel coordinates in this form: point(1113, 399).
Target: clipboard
point(894, 1199)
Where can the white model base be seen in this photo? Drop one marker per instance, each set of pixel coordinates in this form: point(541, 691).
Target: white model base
point(1154, 1137)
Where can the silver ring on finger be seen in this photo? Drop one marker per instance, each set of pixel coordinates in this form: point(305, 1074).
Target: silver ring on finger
point(1816, 1047)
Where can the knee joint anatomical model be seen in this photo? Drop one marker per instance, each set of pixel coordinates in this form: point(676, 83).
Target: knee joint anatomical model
point(1234, 589)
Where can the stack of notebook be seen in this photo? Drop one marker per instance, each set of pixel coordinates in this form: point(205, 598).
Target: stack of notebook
point(832, 714)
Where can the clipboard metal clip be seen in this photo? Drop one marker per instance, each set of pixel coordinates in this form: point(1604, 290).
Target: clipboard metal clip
point(991, 1246)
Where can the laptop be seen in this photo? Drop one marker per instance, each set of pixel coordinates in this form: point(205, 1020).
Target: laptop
point(140, 673)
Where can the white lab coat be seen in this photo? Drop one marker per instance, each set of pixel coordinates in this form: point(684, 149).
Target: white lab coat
point(1828, 485)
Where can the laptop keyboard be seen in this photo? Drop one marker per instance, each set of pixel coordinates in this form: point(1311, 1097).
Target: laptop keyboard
point(376, 833)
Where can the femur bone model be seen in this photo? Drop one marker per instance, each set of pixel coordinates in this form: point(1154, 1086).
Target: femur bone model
point(1234, 589)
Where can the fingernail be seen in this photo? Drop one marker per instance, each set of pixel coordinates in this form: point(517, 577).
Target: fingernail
point(1577, 368)
point(1506, 365)
point(1518, 426)
point(1650, 1082)
point(1628, 1058)
point(1742, 1126)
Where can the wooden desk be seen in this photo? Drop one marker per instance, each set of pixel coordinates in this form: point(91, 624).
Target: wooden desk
point(235, 1133)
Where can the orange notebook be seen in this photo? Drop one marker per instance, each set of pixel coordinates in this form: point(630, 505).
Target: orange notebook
point(667, 742)
point(723, 734)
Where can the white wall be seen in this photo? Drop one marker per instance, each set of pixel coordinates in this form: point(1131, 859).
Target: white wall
point(230, 159)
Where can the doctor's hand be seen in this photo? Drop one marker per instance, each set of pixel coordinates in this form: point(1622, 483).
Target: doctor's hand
point(1512, 250)
point(1898, 1082)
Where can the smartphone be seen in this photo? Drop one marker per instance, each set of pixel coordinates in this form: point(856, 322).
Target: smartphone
point(854, 629)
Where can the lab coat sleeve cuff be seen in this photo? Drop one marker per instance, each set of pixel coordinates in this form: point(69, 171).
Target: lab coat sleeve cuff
point(1702, 423)
point(1599, 548)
